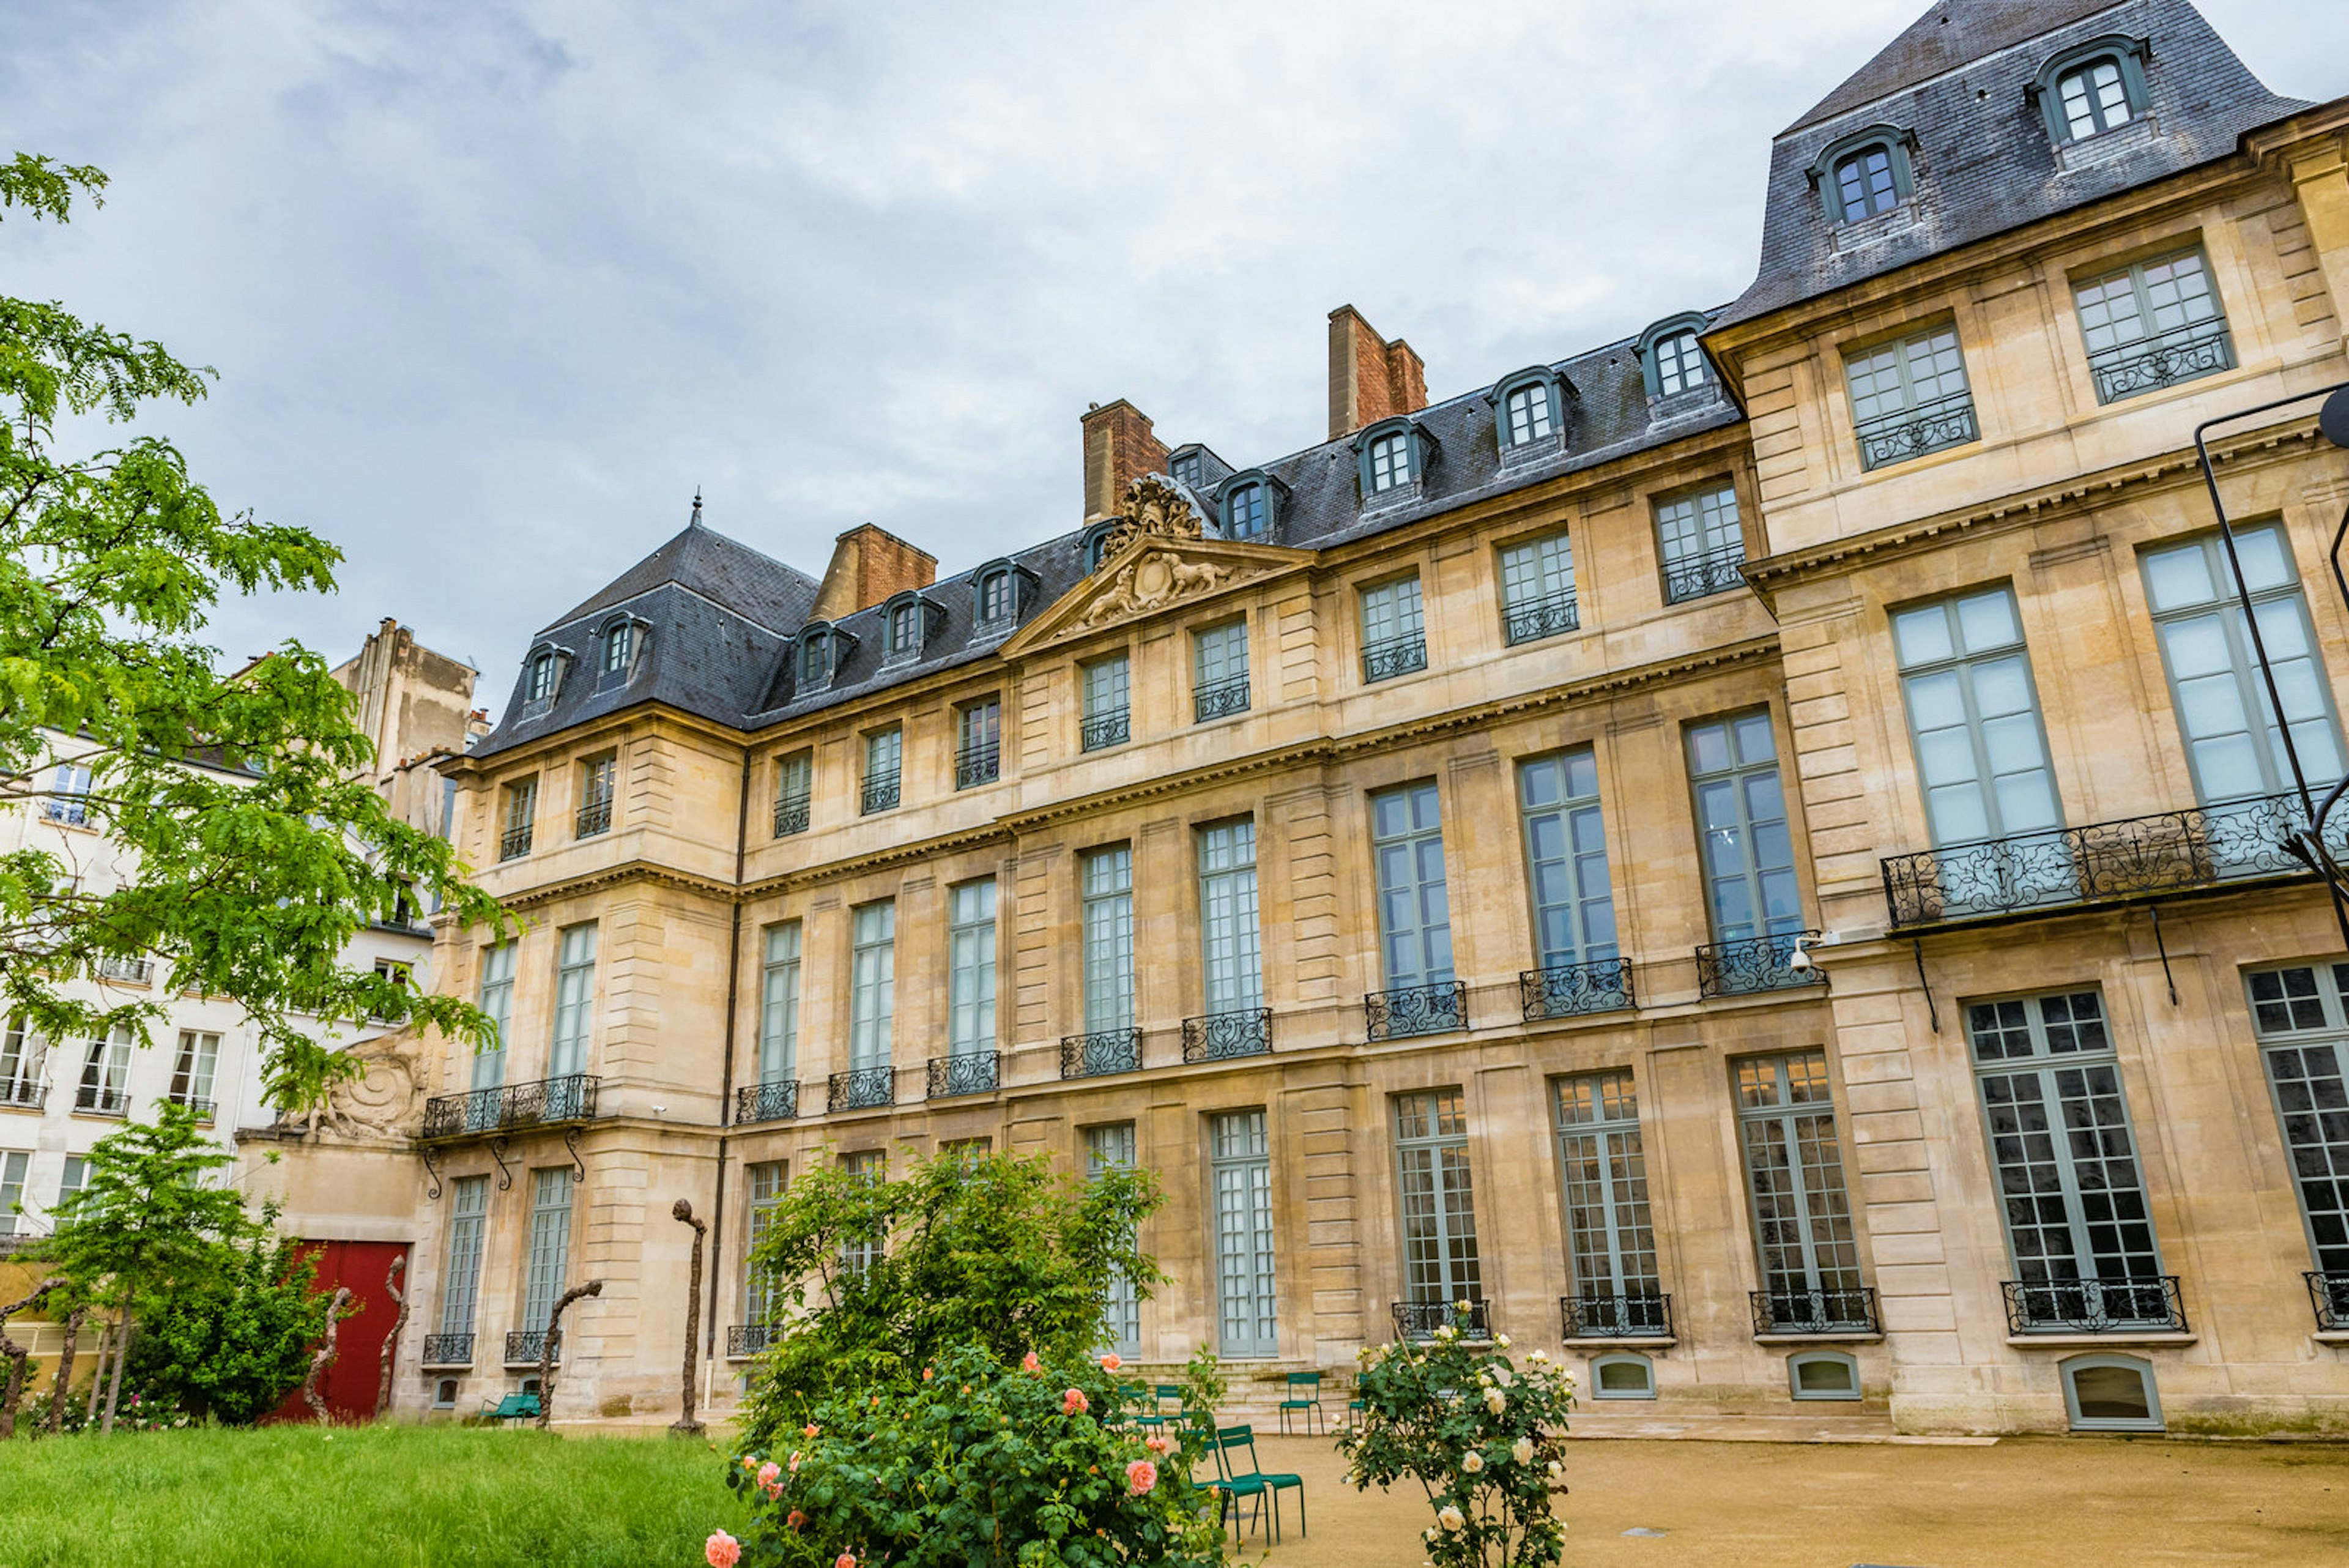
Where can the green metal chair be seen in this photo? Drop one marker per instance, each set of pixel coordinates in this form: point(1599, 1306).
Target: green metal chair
point(1254, 1481)
point(513, 1407)
point(1158, 1415)
point(1310, 1382)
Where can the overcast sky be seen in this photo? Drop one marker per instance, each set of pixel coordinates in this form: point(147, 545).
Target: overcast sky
point(492, 287)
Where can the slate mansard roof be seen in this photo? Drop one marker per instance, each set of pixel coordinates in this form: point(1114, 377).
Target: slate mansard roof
point(1958, 81)
point(721, 620)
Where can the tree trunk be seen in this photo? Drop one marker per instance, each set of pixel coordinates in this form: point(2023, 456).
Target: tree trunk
point(97, 1374)
point(325, 1356)
point(391, 1340)
point(684, 1425)
point(121, 1354)
point(546, 1347)
point(18, 1355)
point(64, 1370)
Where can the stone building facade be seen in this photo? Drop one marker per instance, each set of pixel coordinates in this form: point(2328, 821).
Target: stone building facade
point(1750, 852)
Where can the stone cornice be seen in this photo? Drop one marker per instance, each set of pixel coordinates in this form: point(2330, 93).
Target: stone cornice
point(1895, 540)
point(608, 876)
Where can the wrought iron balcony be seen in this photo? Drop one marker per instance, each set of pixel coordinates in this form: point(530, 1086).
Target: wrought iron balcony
point(2164, 360)
point(2329, 1294)
point(24, 1094)
point(1905, 433)
point(1754, 964)
point(127, 970)
point(977, 764)
point(790, 815)
point(1571, 990)
point(880, 792)
point(1420, 1320)
point(1704, 574)
point(1816, 1311)
point(1411, 1010)
point(448, 1350)
point(595, 817)
point(744, 1340)
point(1220, 700)
point(2093, 1306)
point(523, 1344)
point(1102, 1051)
point(549, 1102)
point(1218, 1036)
point(966, 1072)
point(1615, 1317)
point(861, 1089)
point(1101, 731)
point(766, 1102)
point(1395, 656)
point(2134, 857)
point(514, 842)
point(200, 1109)
point(93, 1099)
point(1530, 620)
point(75, 811)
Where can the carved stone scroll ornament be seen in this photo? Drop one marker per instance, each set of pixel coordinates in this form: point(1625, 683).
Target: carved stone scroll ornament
point(1151, 509)
point(382, 1103)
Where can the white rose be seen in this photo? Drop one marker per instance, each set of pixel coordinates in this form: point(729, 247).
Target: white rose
point(1541, 1355)
point(1429, 1533)
point(1450, 1517)
point(1523, 1450)
point(1502, 1340)
point(1495, 1401)
point(1555, 1469)
point(1471, 1462)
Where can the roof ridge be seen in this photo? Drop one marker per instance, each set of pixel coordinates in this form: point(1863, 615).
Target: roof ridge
point(1890, 70)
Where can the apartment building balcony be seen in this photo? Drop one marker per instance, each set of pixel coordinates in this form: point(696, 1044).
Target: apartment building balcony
point(1220, 1037)
point(1704, 574)
point(135, 971)
point(200, 1109)
point(979, 764)
point(880, 793)
point(745, 1340)
point(1753, 964)
point(2094, 1306)
point(2163, 360)
point(1530, 620)
point(1420, 1320)
point(965, 1072)
point(2136, 857)
point(1797, 1314)
point(790, 815)
point(481, 1113)
point(766, 1102)
point(1909, 433)
point(514, 842)
point(593, 818)
point(2329, 1294)
point(1615, 1317)
point(448, 1350)
point(1572, 989)
point(523, 1346)
point(1101, 731)
point(1408, 1010)
point(860, 1089)
point(1395, 656)
point(1102, 1051)
point(96, 1100)
point(1220, 700)
point(23, 1094)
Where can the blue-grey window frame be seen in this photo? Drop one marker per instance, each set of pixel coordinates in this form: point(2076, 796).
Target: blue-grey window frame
point(1275, 496)
point(1899, 144)
point(1417, 444)
point(1646, 1363)
point(2071, 1366)
point(2129, 53)
point(1844, 1358)
point(1553, 386)
point(1692, 323)
point(1095, 537)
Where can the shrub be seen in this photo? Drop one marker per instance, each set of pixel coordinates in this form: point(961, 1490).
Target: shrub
point(973, 1462)
point(1482, 1435)
point(233, 1347)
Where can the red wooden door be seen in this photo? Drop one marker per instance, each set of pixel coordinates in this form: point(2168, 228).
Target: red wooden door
point(349, 1385)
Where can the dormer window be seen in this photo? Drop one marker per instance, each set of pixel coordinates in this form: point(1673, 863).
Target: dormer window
point(905, 629)
point(1680, 364)
point(1391, 458)
point(542, 678)
point(815, 660)
point(1185, 468)
point(1527, 414)
point(2097, 88)
point(1865, 175)
point(1389, 461)
point(1096, 542)
point(995, 597)
point(1243, 511)
point(619, 642)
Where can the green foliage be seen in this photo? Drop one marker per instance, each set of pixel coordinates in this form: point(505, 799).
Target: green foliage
point(256, 855)
point(996, 1252)
point(975, 1462)
point(146, 1224)
point(234, 1348)
point(1482, 1435)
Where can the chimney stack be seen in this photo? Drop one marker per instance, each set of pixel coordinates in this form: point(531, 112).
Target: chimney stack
point(1369, 379)
point(1119, 449)
point(869, 565)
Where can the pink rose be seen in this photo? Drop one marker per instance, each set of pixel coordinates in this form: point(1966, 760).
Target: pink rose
point(1073, 1401)
point(722, 1550)
point(1156, 1445)
point(767, 1472)
point(810, 1430)
point(795, 1519)
point(1029, 1363)
point(845, 1560)
point(795, 1462)
point(774, 1491)
point(1111, 1362)
point(927, 1374)
point(1140, 1476)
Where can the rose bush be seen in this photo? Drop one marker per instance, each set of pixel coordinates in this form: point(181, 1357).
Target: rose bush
point(1482, 1433)
point(985, 1461)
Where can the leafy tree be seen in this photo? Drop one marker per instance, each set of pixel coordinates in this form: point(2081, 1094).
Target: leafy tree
point(995, 1251)
point(146, 1225)
point(250, 875)
point(233, 1347)
point(1484, 1435)
point(976, 1464)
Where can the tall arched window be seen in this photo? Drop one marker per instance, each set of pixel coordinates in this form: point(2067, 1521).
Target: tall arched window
point(620, 646)
point(542, 678)
point(905, 628)
point(815, 659)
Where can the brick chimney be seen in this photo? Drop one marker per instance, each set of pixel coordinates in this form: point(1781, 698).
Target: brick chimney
point(1119, 449)
point(1369, 379)
point(867, 566)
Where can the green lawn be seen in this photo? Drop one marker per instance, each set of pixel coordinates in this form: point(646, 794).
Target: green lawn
point(382, 1497)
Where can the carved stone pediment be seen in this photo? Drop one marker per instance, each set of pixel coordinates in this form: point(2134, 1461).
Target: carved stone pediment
point(1150, 579)
point(384, 1102)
